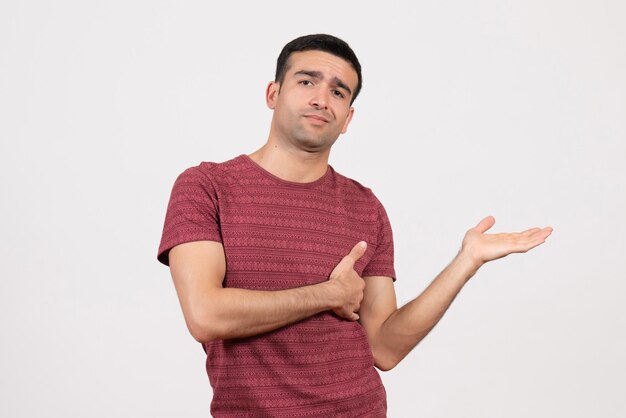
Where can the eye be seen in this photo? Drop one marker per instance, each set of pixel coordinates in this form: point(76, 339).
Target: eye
point(338, 93)
point(306, 82)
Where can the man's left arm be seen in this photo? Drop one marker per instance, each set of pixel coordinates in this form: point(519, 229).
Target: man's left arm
point(393, 332)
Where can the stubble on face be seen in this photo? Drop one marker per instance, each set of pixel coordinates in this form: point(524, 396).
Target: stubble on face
point(309, 113)
point(311, 137)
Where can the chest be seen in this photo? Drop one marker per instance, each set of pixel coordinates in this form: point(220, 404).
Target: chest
point(275, 239)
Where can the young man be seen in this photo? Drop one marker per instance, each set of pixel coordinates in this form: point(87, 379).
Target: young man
point(284, 268)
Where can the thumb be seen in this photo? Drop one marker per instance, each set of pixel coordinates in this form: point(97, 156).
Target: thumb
point(485, 224)
point(357, 251)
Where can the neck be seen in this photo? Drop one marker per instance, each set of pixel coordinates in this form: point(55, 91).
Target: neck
point(290, 164)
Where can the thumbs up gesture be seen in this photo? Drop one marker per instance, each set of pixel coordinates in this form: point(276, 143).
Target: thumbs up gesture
point(347, 285)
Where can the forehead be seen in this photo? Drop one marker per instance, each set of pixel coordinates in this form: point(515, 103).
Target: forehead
point(328, 64)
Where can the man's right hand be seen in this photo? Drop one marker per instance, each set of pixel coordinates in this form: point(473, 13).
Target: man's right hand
point(347, 285)
point(214, 312)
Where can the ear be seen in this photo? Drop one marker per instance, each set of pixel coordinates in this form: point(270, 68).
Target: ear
point(271, 92)
point(348, 119)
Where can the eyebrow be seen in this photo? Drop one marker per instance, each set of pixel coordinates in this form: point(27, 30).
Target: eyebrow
point(318, 75)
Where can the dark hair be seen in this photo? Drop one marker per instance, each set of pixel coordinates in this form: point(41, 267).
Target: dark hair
point(319, 42)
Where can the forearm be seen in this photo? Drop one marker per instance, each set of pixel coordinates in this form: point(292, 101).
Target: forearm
point(407, 326)
point(394, 332)
point(226, 313)
point(214, 312)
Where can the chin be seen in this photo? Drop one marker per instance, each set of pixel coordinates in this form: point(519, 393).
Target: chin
point(312, 146)
point(309, 143)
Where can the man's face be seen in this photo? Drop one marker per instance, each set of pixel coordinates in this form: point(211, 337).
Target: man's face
point(312, 105)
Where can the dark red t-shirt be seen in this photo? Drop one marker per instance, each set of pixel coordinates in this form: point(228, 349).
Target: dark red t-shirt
point(278, 235)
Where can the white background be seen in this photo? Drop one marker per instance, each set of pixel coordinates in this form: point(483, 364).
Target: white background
point(510, 108)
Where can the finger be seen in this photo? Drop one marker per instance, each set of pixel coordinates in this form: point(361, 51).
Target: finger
point(357, 251)
point(541, 233)
point(530, 231)
point(533, 241)
point(484, 225)
point(530, 245)
point(350, 316)
point(547, 230)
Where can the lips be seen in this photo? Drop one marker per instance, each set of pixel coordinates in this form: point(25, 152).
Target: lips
point(316, 117)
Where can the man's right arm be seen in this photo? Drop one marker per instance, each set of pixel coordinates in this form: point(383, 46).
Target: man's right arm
point(213, 312)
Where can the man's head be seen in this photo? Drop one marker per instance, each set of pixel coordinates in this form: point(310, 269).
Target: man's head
point(319, 42)
point(313, 93)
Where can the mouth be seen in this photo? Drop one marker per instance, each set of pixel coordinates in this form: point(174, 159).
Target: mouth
point(315, 117)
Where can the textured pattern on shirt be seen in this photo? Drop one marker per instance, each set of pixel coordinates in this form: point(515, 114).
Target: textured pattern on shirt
point(278, 235)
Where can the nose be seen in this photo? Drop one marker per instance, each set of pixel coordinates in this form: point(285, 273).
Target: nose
point(320, 99)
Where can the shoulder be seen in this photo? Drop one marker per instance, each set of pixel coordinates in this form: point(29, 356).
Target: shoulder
point(212, 172)
point(352, 188)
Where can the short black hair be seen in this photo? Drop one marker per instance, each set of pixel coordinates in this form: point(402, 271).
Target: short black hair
point(319, 42)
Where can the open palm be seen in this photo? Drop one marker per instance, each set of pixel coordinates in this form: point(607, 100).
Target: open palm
point(484, 247)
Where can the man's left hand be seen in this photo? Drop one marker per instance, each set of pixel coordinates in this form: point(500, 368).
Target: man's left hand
point(482, 248)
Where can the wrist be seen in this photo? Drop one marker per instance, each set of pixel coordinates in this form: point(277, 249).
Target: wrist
point(468, 262)
point(328, 295)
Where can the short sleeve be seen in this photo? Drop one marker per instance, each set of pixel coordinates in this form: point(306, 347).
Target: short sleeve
point(381, 263)
point(192, 212)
